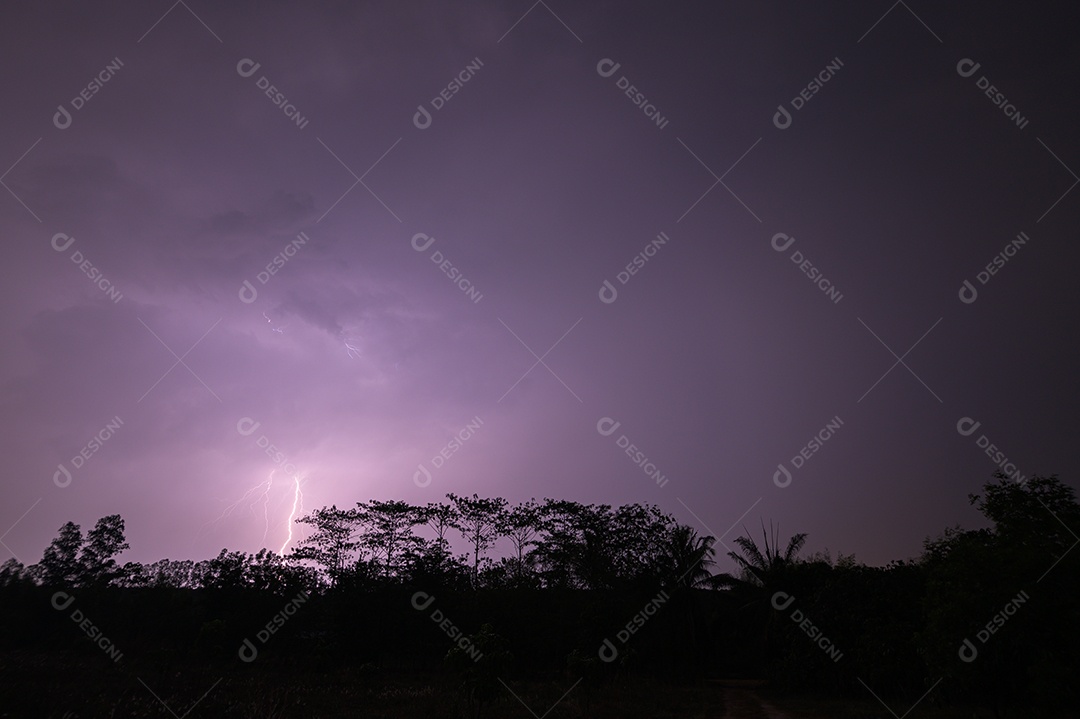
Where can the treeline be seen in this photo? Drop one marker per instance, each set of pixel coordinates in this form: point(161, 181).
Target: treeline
point(986, 616)
point(75, 562)
point(552, 544)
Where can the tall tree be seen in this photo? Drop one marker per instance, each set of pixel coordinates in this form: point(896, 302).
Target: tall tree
point(13, 572)
point(103, 543)
point(387, 532)
point(1037, 513)
point(441, 518)
point(332, 543)
point(763, 569)
point(521, 525)
point(228, 570)
point(583, 545)
point(690, 558)
point(59, 565)
point(642, 537)
point(480, 520)
point(1029, 554)
point(762, 574)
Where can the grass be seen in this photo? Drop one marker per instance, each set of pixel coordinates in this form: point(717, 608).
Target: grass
point(75, 685)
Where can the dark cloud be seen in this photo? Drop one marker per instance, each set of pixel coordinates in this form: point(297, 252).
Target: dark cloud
point(539, 179)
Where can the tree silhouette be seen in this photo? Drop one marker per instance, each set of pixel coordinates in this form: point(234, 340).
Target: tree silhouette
point(441, 518)
point(13, 572)
point(577, 550)
point(641, 538)
point(1020, 511)
point(98, 557)
point(690, 559)
point(387, 532)
point(521, 525)
point(762, 574)
point(70, 560)
point(1028, 552)
point(59, 565)
point(762, 569)
point(480, 520)
point(332, 543)
point(227, 570)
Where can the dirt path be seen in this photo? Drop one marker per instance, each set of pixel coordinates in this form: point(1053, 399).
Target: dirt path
point(744, 703)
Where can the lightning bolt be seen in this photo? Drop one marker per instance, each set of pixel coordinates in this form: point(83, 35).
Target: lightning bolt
point(266, 505)
point(279, 330)
point(351, 350)
point(298, 506)
point(250, 498)
point(260, 493)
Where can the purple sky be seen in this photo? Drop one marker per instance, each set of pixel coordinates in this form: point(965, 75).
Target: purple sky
point(540, 179)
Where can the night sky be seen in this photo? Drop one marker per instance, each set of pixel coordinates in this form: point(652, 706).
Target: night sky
point(396, 236)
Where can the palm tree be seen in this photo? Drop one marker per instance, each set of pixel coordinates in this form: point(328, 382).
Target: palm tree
point(686, 561)
point(762, 570)
point(762, 574)
point(690, 558)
